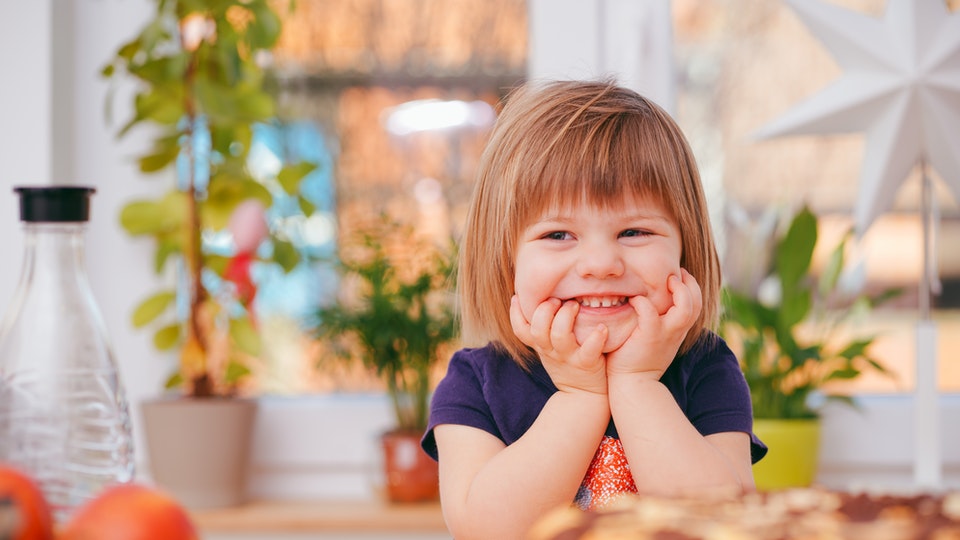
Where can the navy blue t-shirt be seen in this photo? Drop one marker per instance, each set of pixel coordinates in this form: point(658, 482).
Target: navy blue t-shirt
point(486, 389)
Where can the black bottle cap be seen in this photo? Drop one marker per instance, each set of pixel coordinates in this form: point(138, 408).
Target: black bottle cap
point(43, 204)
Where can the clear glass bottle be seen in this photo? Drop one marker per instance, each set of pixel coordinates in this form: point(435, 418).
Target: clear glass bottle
point(63, 412)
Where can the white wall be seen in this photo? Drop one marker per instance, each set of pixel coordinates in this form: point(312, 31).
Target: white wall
point(55, 131)
point(626, 39)
point(25, 119)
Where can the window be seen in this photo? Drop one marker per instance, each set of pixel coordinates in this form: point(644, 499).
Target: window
point(360, 81)
point(743, 63)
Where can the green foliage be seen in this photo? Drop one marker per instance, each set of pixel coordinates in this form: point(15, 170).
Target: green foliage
point(788, 348)
point(398, 324)
point(201, 87)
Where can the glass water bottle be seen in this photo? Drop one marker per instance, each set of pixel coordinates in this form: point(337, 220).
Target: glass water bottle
point(63, 413)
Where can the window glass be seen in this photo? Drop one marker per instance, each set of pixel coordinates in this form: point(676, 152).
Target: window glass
point(343, 66)
point(743, 63)
point(395, 99)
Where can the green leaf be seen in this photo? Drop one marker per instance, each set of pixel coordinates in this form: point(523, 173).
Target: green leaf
point(129, 49)
point(795, 308)
point(226, 192)
point(856, 348)
point(879, 367)
point(795, 250)
point(155, 216)
point(174, 381)
point(235, 372)
point(216, 263)
point(166, 338)
point(159, 105)
point(831, 272)
point(844, 374)
point(167, 245)
point(285, 254)
point(885, 296)
point(265, 30)
point(141, 217)
point(255, 106)
point(245, 336)
point(233, 104)
point(290, 176)
point(746, 312)
point(252, 189)
point(152, 307)
point(166, 74)
point(306, 207)
point(158, 161)
point(232, 139)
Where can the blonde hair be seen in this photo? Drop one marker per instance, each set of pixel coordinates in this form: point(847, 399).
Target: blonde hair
point(568, 142)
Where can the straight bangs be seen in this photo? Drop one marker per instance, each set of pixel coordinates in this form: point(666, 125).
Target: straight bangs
point(605, 163)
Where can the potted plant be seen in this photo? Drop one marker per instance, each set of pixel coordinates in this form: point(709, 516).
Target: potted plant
point(397, 319)
point(786, 336)
point(202, 88)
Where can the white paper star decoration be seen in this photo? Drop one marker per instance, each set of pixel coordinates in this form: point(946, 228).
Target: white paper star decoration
point(900, 85)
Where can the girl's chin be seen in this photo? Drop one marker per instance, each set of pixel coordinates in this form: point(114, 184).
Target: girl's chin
point(619, 332)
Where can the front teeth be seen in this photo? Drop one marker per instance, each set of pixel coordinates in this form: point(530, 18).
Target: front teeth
point(602, 301)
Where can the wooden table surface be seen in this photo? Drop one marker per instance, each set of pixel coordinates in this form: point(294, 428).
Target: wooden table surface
point(333, 515)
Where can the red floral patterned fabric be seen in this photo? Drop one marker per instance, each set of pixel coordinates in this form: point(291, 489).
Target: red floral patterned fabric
point(607, 477)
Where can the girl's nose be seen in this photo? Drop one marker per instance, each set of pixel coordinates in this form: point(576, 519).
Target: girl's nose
point(600, 260)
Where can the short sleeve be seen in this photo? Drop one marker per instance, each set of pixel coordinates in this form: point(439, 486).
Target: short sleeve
point(459, 399)
point(719, 398)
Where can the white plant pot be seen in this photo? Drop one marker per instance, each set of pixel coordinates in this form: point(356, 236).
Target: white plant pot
point(199, 448)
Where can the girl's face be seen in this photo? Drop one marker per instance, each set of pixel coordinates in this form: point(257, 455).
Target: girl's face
point(599, 258)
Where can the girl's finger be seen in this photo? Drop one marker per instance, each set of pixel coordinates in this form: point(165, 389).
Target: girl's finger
point(593, 346)
point(561, 330)
point(542, 320)
point(644, 308)
point(687, 301)
point(519, 323)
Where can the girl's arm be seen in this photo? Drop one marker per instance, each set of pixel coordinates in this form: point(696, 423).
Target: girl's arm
point(667, 455)
point(489, 490)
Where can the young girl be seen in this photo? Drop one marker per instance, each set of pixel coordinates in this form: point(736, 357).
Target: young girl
point(588, 279)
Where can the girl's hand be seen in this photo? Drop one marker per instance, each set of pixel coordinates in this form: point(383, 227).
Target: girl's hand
point(654, 343)
point(549, 332)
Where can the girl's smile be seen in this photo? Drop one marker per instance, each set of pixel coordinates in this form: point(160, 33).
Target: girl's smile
point(601, 301)
point(599, 258)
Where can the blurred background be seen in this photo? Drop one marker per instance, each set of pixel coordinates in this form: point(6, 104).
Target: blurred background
point(394, 99)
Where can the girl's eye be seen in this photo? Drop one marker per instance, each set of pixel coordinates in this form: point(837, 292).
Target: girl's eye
point(556, 235)
point(629, 233)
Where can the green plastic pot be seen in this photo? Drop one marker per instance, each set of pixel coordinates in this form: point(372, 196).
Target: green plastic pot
point(794, 453)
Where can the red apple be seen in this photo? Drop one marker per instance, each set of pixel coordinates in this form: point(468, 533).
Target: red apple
point(130, 512)
point(22, 500)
